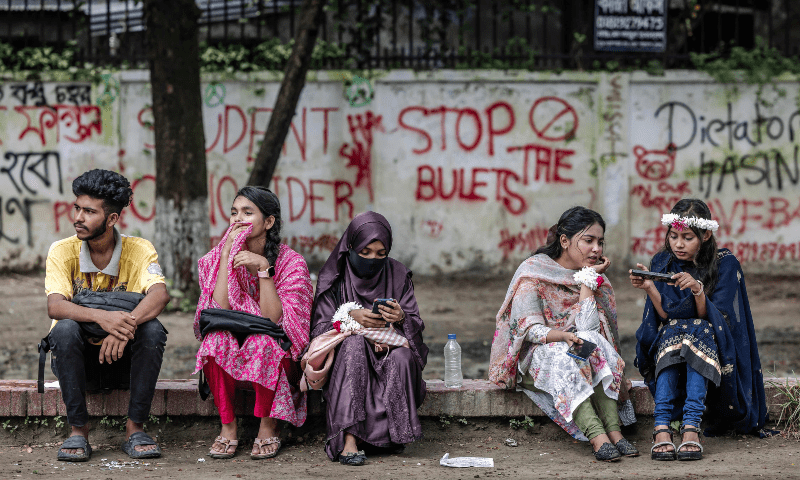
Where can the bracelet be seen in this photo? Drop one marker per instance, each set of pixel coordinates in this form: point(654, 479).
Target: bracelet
point(589, 277)
point(701, 289)
point(342, 321)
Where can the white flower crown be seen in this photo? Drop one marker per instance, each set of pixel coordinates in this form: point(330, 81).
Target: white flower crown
point(682, 223)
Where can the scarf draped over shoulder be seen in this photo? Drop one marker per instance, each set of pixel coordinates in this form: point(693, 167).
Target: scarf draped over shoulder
point(738, 401)
point(292, 283)
point(535, 274)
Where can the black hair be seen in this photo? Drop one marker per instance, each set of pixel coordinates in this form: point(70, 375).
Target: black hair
point(268, 203)
point(706, 259)
point(572, 222)
point(111, 187)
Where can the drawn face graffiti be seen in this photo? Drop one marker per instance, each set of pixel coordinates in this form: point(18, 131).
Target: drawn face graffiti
point(655, 164)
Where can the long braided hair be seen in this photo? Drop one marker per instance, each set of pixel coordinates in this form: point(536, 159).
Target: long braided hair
point(268, 203)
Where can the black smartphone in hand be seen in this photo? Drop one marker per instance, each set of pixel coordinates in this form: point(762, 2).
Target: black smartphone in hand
point(581, 351)
point(381, 301)
point(655, 276)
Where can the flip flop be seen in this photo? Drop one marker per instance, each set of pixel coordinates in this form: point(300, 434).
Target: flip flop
point(75, 442)
point(227, 443)
point(140, 439)
point(263, 442)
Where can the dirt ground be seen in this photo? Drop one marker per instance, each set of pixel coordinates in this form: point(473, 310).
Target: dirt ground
point(543, 451)
point(464, 305)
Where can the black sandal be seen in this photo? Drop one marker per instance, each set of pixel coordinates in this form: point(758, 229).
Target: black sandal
point(626, 448)
point(691, 455)
point(607, 453)
point(355, 459)
point(669, 455)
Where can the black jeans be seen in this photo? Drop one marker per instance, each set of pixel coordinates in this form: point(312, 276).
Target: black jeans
point(68, 344)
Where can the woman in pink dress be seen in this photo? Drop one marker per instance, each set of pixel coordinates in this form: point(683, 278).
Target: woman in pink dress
point(251, 271)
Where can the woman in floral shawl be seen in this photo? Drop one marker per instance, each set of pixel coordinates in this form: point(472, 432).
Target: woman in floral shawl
point(550, 305)
point(251, 271)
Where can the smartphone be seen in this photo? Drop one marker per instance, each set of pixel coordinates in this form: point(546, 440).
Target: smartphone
point(655, 276)
point(582, 351)
point(381, 301)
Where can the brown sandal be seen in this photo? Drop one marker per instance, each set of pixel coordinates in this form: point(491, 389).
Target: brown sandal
point(263, 442)
point(228, 443)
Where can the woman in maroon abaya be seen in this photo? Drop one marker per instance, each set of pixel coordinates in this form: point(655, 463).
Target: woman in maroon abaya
point(371, 396)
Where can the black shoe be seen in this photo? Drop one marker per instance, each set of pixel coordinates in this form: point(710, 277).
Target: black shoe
point(355, 459)
point(664, 456)
point(607, 453)
point(626, 448)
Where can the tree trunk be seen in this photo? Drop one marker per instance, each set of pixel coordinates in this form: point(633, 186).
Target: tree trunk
point(182, 228)
point(294, 80)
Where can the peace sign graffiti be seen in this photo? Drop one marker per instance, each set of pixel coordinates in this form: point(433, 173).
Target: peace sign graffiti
point(214, 95)
point(110, 91)
point(360, 92)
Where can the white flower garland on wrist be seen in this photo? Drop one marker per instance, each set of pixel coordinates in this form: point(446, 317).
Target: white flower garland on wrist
point(342, 321)
point(682, 223)
point(589, 277)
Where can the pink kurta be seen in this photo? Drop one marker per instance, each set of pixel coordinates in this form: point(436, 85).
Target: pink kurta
point(258, 359)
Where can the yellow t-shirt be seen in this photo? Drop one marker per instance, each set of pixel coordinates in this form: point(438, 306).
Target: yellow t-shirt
point(133, 268)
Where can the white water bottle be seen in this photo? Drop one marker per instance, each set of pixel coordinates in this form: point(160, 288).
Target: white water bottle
point(452, 363)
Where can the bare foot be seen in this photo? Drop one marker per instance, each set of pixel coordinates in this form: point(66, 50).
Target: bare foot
point(229, 432)
point(83, 432)
point(269, 428)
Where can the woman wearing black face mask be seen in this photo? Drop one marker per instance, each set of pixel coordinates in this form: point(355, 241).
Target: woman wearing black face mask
point(371, 396)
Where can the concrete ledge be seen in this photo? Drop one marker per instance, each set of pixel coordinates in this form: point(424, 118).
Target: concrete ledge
point(476, 398)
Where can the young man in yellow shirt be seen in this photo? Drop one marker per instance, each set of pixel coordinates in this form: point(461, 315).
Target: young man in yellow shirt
point(100, 259)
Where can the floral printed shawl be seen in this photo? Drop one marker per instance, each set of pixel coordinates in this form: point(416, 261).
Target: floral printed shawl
point(511, 333)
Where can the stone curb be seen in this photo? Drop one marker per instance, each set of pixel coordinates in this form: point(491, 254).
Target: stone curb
point(475, 398)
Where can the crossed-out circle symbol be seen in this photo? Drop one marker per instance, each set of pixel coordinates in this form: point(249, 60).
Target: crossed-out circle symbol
point(548, 124)
point(214, 95)
point(110, 91)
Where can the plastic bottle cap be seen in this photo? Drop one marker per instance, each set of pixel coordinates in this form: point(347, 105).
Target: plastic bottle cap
point(451, 336)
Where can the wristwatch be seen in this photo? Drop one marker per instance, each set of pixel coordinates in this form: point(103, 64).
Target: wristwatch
point(268, 273)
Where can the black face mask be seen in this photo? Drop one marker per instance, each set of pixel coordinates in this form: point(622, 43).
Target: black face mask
point(366, 267)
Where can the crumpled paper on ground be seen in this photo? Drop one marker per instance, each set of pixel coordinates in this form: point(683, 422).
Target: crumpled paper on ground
point(461, 462)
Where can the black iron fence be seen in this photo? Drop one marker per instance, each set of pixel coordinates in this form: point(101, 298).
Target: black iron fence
point(532, 34)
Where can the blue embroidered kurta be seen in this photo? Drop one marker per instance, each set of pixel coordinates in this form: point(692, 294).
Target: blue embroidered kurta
point(727, 354)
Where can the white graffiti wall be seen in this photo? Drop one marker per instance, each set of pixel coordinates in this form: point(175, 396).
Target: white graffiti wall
point(470, 167)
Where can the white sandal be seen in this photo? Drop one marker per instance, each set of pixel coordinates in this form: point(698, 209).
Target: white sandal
point(263, 442)
point(228, 443)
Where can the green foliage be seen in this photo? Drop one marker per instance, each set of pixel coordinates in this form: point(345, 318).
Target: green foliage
point(790, 408)
point(6, 425)
point(526, 423)
point(269, 55)
point(445, 420)
point(758, 66)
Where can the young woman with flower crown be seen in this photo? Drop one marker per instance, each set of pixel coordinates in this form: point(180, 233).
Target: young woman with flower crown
point(697, 329)
point(559, 297)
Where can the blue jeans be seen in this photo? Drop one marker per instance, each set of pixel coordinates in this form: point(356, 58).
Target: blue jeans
point(675, 383)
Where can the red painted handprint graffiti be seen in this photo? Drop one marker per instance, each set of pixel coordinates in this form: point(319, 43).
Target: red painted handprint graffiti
point(359, 155)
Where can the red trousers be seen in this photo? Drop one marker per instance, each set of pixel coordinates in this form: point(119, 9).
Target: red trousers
point(223, 387)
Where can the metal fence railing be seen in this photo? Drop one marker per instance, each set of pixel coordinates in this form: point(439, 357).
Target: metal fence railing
point(419, 34)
